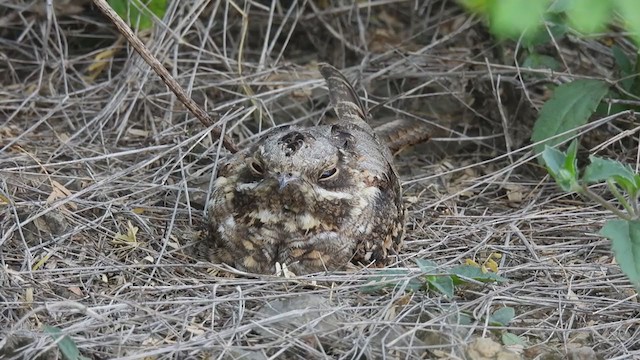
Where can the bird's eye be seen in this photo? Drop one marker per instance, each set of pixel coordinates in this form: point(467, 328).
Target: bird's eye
point(256, 167)
point(328, 174)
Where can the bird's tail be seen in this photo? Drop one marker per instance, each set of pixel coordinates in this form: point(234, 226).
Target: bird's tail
point(344, 99)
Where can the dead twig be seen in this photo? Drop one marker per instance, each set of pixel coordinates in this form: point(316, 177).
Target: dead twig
point(173, 85)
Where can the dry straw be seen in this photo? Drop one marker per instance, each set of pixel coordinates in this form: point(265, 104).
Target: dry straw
point(104, 175)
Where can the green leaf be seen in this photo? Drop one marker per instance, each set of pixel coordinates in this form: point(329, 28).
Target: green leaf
point(66, 345)
point(442, 283)
point(513, 339)
point(635, 86)
point(464, 318)
point(622, 60)
point(600, 170)
point(559, 6)
point(625, 242)
point(625, 66)
point(562, 167)
point(571, 161)
point(476, 6)
point(569, 108)
point(473, 272)
point(606, 109)
point(139, 13)
point(502, 316)
point(157, 7)
point(589, 16)
point(555, 28)
point(554, 159)
point(392, 278)
point(512, 18)
point(630, 12)
point(538, 61)
point(427, 266)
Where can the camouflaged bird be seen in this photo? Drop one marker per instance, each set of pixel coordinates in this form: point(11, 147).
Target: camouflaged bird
point(312, 198)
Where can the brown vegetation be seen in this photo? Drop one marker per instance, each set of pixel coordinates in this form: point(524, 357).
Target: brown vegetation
point(104, 175)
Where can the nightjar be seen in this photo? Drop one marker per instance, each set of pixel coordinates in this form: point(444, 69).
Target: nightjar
point(312, 198)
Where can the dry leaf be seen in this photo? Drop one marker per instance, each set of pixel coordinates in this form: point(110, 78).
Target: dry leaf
point(130, 238)
point(383, 40)
point(53, 223)
point(28, 295)
point(152, 342)
point(64, 137)
point(4, 200)
point(138, 132)
point(514, 196)
point(411, 199)
point(51, 264)
point(196, 330)
point(282, 270)
point(9, 131)
point(581, 353)
point(100, 62)
point(471, 262)
point(76, 290)
point(441, 354)
point(487, 349)
point(58, 191)
point(404, 300)
point(63, 190)
point(515, 193)
point(491, 265)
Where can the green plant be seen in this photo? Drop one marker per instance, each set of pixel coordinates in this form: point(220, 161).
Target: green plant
point(445, 282)
point(623, 232)
point(501, 317)
point(570, 107)
point(139, 13)
point(67, 346)
point(572, 104)
point(431, 278)
point(524, 18)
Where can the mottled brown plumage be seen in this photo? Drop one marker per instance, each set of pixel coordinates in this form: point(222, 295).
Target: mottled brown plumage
point(311, 198)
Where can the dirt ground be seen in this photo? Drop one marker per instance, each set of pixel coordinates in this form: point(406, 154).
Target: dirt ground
point(104, 176)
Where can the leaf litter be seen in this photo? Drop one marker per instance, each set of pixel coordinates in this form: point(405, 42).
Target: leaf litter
point(131, 155)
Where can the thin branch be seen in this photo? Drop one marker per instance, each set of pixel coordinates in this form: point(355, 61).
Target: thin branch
point(614, 190)
point(173, 85)
point(598, 199)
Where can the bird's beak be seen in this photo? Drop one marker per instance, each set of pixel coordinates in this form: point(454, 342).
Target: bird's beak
point(284, 180)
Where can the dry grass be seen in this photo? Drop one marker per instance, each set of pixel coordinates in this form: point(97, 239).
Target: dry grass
point(81, 158)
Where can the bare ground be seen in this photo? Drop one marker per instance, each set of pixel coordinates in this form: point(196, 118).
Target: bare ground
point(103, 178)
